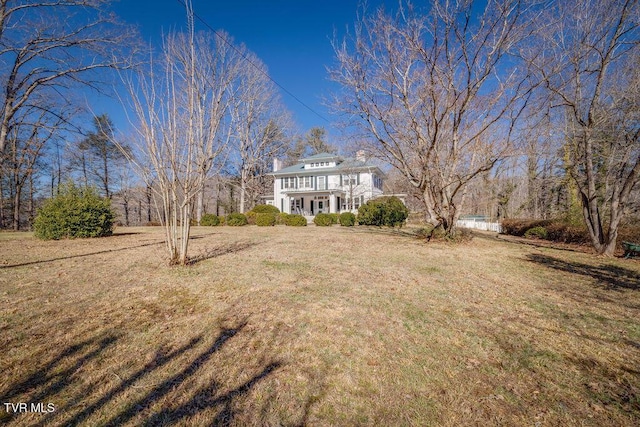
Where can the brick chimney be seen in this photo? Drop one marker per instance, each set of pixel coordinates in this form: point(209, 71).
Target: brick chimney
point(277, 164)
point(361, 156)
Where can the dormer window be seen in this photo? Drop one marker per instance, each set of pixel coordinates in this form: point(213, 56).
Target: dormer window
point(321, 163)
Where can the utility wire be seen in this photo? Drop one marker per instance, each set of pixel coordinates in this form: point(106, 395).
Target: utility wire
point(244, 56)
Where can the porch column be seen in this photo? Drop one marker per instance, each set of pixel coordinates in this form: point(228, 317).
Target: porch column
point(332, 203)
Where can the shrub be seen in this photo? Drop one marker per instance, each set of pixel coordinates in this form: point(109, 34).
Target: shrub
point(265, 209)
point(74, 212)
point(537, 232)
point(388, 211)
point(251, 217)
point(296, 220)
point(266, 219)
point(322, 220)
point(236, 220)
point(281, 218)
point(334, 218)
point(347, 219)
point(210, 220)
point(517, 227)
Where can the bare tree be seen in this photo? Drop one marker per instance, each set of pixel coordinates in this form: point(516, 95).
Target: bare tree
point(96, 157)
point(25, 147)
point(260, 126)
point(178, 138)
point(588, 60)
point(48, 47)
point(219, 65)
point(434, 94)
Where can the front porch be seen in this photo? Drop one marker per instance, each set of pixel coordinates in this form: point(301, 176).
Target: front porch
point(310, 204)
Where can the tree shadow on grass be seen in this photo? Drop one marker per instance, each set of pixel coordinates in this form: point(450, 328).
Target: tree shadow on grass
point(106, 251)
point(63, 378)
point(610, 276)
point(221, 250)
point(607, 386)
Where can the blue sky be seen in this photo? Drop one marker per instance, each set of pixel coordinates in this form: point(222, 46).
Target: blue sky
point(292, 37)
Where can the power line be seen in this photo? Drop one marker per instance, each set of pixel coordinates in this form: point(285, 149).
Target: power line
point(244, 56)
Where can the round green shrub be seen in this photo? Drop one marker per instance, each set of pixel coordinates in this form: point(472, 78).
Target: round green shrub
point(281, 218)
point(251, 217)
point(347, 219)
point(74, 212)
point(387, 211)
point(266, 219)
point(265, 209)
point(334, 218)
point(323, 220)
point(537, 232)
point(210, 220)
point(296, 220)
point(236, 220)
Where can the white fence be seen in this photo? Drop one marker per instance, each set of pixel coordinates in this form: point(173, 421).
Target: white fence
point(480, 225)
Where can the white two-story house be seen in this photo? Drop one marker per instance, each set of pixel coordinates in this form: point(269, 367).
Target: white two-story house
point(325, 183)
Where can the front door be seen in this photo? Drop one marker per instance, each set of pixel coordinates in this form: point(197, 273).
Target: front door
point(320, 206)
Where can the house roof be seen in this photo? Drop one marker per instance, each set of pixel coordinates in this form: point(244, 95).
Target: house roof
point(321, 156)
point(344, 166)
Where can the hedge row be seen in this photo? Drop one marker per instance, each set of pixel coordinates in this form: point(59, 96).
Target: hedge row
point(560, 231)
point(548, 229)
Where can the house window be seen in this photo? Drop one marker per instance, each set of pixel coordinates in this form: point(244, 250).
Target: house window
point(322, 184)
point(307, 182)
point(289, 182)
point(377, 182)
point(349, 180)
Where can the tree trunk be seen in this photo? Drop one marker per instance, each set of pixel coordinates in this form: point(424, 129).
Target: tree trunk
point(32, 207)
point(16, 208)
point(1, 201)
point(125, 205)
point(243, 189)
point(200, 202)
point(148, 203)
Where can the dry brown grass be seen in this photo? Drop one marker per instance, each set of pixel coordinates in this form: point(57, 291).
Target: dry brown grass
point(317, 326)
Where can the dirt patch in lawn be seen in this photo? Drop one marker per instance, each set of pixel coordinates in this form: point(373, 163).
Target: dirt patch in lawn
point(315, 325)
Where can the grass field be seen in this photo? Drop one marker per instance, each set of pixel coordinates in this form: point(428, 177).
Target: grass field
point(316, 326)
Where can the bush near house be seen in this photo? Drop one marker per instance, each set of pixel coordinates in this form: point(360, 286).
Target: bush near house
point(251, 217)
point(323, 220)
point(387, 211)
point(265, 209)
point(334, 218)
point(236, 220)
point(295, 220)
point(260, 209)
point(211, 220)
point(347, 219)
point(281, 218)
point(74, 212)
point(266, 219)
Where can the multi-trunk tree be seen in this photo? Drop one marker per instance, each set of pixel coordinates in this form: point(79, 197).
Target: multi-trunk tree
point(587, 59)
point(181, 105)
point(436, 94)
